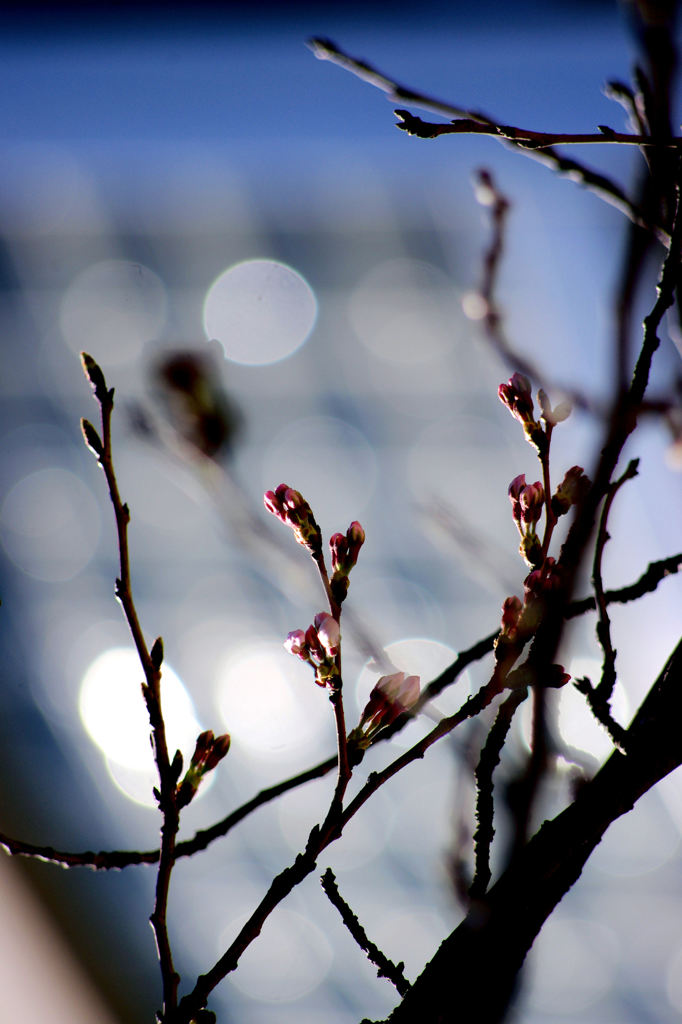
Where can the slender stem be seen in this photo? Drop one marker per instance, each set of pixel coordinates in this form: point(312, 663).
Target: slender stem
point(599, 184)
point(527, 136)
point(386, 967)
point(605, 687)
point(152, 695)
point(488, 761)
point(550, 518)
point(105, 860)
point(336, 691)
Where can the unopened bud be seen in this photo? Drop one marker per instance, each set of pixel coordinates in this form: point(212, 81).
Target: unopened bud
point(571, 491)
point(328, 633)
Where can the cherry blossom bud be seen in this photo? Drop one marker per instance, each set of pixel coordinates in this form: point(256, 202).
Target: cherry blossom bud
point(295, 643)
point(392, 696)
point(571, 491)
point(339, 550)
point(219, 749)
point(291, 508)
point(516, 395)
point(209, 751)
point(355, 536)
point(515, 489)
point(274, 505)
point(328, 633)
point(511, 613)
point(531, 499)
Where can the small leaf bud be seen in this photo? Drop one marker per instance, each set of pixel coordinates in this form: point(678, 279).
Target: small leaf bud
point(156, 653)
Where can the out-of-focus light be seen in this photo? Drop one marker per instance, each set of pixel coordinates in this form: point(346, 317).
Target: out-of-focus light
point(49, 525)
point(290, 959)
point(474, 306)
point(47, 190)
point(270, 704)
point(464, 462)
point(576, 725)
point(260, 311)
point(404, 311)
point(112, 309)
point(411, 934)
point(673, 981)
point(364, 837)
point(417, 656)
point(114, 714)
point(329, 462)
point(573, 966)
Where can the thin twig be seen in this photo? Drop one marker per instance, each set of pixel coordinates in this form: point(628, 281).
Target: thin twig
point(602, 713)
point(151, 666)
point(105, 860)
point(527, 137)
point(490, 196)
point(599, 184)
point(385, 967)
point(488, 761)
point(605, 687)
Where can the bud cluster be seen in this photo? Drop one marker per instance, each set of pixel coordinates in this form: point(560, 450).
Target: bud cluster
point(344, 552)
point(527, 501)
point(319, 645)
point(208, 752)
point(392, 696)
point(516, 396)
point(520, 621)
point(291, 508)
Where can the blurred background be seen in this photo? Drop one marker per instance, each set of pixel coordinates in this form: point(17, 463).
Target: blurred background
point(230, 226)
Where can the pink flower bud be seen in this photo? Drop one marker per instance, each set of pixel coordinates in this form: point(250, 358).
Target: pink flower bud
point(515, 490)
point(339, 549)
point(291, 508)
point(355, 536)
point(392, 696)
point(531, 500)
point(328, 633)
point(274, 505)
point(295, 643)
point(516, 395)
point(511, 613)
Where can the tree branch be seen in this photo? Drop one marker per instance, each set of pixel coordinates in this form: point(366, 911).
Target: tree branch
point(486, 951)
point(599, 184)
point(386, 967)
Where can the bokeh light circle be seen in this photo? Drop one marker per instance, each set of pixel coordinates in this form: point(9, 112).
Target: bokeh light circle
point(418, 656)
point(405, 312)
point(269, 703)
point(112, 309)
point(115, 717)
point(50, 524)
point(260, 311)
point(329, 461)
point(291, 958)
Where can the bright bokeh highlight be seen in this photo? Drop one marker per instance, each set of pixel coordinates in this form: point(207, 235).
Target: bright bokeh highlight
point(329, 461)
point(270, 704)
point(290, 959)
point(405, 311)
point(417, 656)
point(114, 714)
point(111, 309)
point(50, 525)
point(260, 311)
